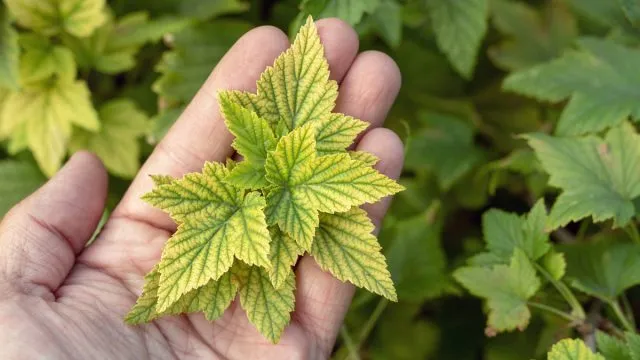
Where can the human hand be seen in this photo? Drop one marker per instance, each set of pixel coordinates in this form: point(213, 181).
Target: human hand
point(62, 300)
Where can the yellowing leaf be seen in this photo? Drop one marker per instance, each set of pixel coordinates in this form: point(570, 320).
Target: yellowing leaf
point(337, 132)
point(364, 157)
point(283, 255)
point(345, 246)
point(572, 349)
point(117, 142)
point(223, 224)
point(212, 299)
point(305, 184)
point(269, 309)
point(254, 139)
point(297, 87)
point(48, 111)
point(51, 17)
point(112, 47)
point(42, 59)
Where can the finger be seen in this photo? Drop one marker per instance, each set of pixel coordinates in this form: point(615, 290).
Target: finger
point(370, 88)
point(41, 236)
point(323, 300)
point(341, 45)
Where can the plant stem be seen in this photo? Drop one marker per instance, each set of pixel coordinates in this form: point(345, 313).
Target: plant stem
point(348, 342)
point(373, 319)
point(552, 310)
point(576, 308)
point(632, 230)
point(621, 316)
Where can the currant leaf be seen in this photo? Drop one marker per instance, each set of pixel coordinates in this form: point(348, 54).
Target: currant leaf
point(297, 87)
point(268, 308)
point(345, 246)
point(598, 178)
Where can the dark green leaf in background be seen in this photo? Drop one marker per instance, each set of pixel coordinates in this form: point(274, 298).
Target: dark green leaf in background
point(18, 179)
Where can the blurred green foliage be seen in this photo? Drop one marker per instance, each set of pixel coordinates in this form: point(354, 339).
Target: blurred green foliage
point(113, 76)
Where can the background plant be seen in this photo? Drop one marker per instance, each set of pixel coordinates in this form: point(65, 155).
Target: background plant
point(550, 216)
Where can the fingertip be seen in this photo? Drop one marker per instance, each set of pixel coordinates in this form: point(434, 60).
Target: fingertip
point(341, 43)
point(388, 147)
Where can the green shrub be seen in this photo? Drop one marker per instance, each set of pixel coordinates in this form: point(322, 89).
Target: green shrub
point(518, 225)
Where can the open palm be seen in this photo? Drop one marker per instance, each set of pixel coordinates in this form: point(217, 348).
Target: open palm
point(62, 300)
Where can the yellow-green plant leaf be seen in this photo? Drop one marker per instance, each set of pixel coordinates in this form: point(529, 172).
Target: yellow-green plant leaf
point(506, 289)
point(304, 184)
point(337, 132)
point(572, 349)
point(253, 140)
point(283, 255)
point(42, 59)
point(112, 47)
point(268, 308)
point(9, 51)
point(364, 157)
point(297, 87)
point(117, 142)
point(218, 223)
point(213, 299)
point(345, 246)
point(51, 17)
point(48, 111)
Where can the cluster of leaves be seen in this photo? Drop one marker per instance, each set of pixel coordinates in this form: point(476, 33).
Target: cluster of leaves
point(520, 125)
point(242, 226)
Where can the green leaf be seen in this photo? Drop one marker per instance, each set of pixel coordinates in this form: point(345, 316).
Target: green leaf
point(598, 178)
point(217, 224)
point(297, 89)
point(18, 179)
point(506, 289)
point(269, 309)
point(194, 54)
point(207, 9)
point(631, 10)
point(117, 142)
point(600, 81)
point(304, 184)
point(350, 11)
point(388, 19)
point(603, 269)
point(283, 255)
point(572, 349)
point(532, 37)
point(345, 246)
point(364, 157)
point(555, 264)
point(611, 347)
point(9, 51)
point(459, 27)
point(47, 112)
point(253, 140)
point(504, 232)
point(51, 17)
point(444, 145)
point(112, 48)
point(417, 261)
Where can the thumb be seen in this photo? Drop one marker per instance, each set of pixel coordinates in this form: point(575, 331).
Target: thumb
point(41, 236)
